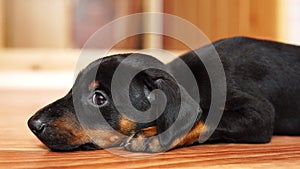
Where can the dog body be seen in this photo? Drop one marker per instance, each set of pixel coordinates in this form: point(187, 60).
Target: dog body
point(262, 99)
point(263, 80)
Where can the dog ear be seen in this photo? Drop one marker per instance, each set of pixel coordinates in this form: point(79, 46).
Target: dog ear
point(181, 111)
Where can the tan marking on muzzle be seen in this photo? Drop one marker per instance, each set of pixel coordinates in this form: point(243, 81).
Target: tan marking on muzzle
point(69, 128)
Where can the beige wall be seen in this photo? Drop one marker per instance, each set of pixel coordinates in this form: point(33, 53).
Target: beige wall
point(1, 23)
point(38, 23)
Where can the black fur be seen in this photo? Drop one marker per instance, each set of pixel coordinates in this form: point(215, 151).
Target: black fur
point(263, 96)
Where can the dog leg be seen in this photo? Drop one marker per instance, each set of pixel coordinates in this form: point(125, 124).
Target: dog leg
point(146, 140)
point(246, 119)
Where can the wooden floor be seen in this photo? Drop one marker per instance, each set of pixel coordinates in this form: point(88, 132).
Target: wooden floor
point(21, 149)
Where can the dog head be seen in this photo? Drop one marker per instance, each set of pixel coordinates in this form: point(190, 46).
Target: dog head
point(87, 117)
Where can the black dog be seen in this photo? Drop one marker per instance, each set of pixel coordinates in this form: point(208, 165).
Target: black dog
point(263, 98)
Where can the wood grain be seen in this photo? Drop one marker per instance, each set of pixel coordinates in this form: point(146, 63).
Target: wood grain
point(222, 19)
point(19, 148)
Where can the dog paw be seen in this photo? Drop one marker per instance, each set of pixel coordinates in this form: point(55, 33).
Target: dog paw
point(145, 140)
point(139, 143)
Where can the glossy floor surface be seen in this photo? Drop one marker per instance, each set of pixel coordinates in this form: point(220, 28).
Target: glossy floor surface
point(19, 148)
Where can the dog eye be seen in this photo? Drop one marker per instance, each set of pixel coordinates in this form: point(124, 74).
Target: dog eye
point(99, 98)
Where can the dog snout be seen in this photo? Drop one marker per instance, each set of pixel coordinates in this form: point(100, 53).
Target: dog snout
point(36, 125)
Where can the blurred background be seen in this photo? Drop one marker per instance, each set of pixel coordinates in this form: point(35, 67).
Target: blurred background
point(43, 35)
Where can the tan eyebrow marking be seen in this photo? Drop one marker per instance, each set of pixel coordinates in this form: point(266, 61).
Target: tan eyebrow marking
point(93, 84)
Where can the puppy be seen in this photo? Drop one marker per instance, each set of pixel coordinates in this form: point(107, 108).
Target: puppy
point(262, 99)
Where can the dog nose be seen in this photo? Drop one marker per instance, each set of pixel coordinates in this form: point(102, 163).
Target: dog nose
point(36, 125)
